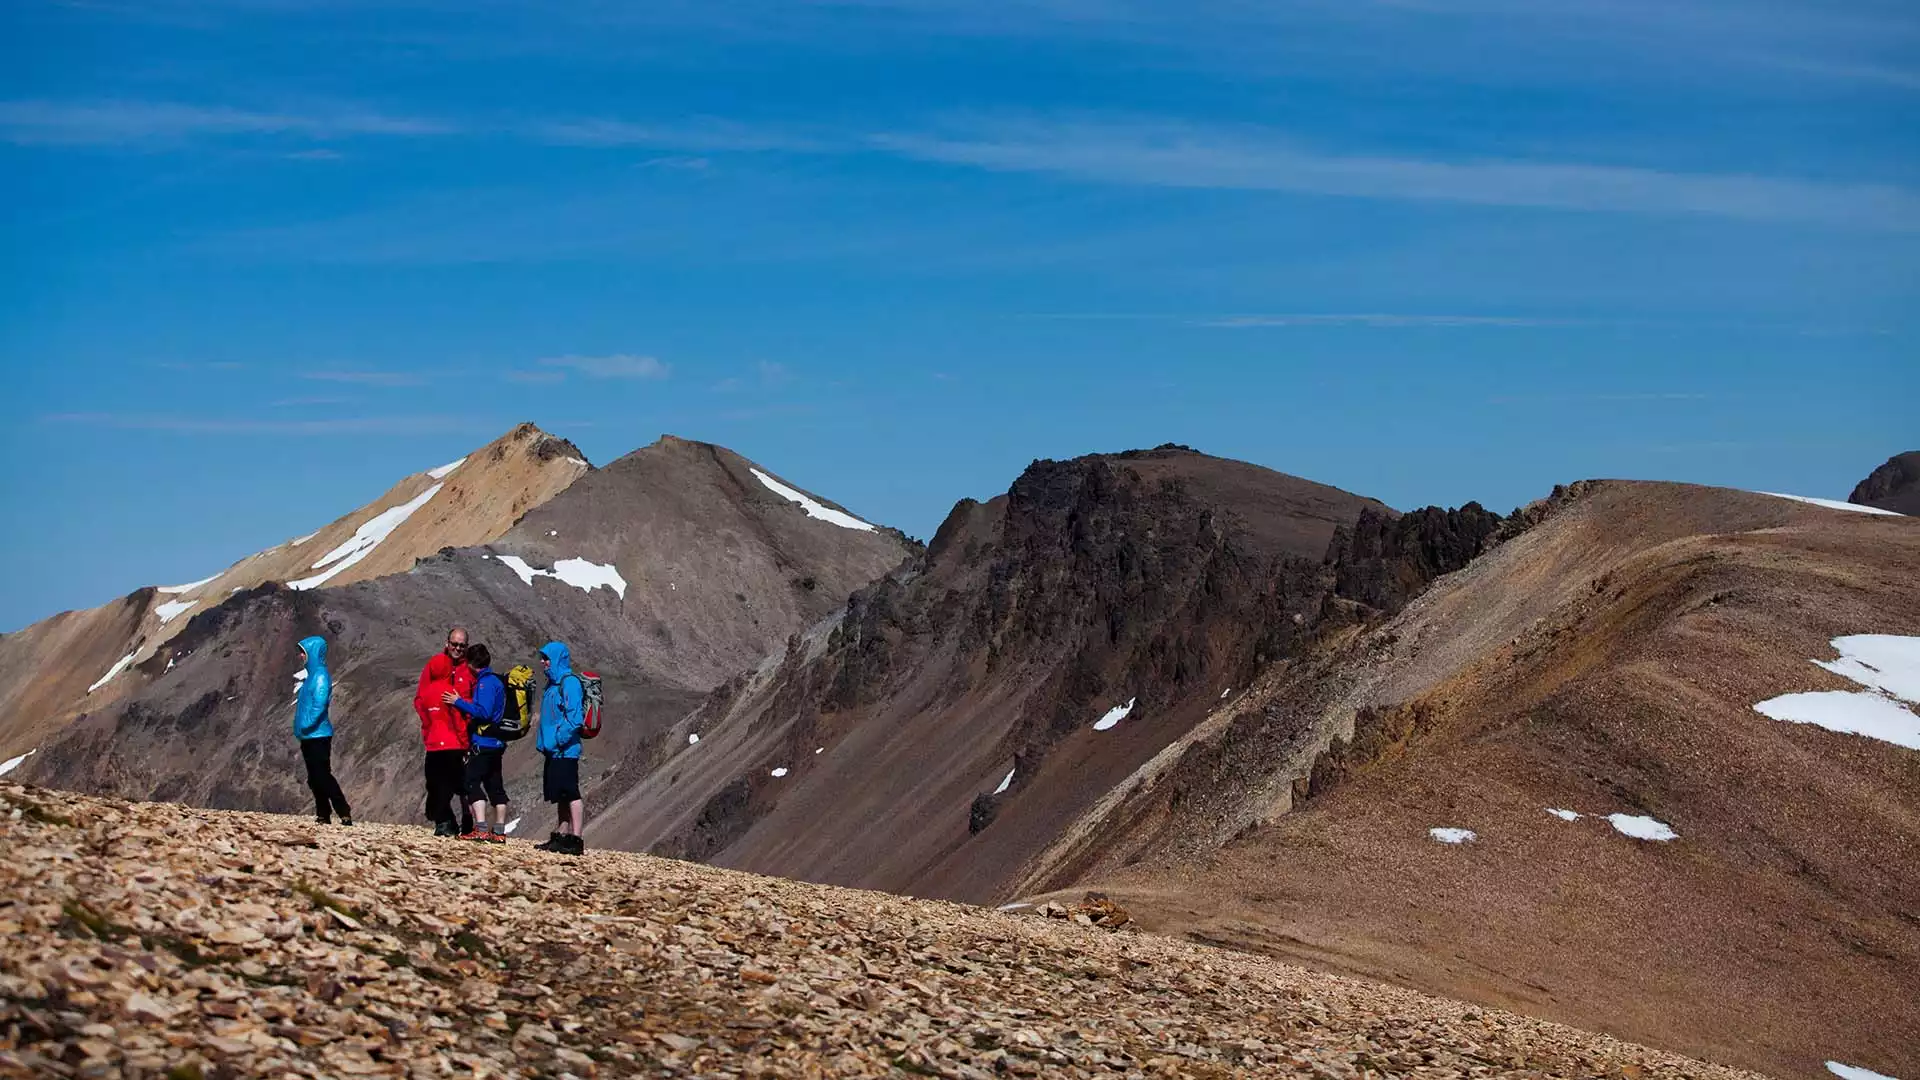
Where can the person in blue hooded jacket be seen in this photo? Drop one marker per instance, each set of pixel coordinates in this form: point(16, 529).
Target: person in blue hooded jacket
point(562, 717)
point(314, 728)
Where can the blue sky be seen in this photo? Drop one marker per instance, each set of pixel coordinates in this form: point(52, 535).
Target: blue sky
point(264, 256)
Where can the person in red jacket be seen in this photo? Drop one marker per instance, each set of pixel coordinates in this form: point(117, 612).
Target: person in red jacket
point(443, 732)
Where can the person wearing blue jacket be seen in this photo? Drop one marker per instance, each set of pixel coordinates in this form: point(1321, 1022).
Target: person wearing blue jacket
point(562, 717)
point(314, 728)
point(485, 785)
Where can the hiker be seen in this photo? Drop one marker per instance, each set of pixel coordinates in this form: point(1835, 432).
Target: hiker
point(485, 787)
point(443, 733)
point(314, 728)
point(562, 717)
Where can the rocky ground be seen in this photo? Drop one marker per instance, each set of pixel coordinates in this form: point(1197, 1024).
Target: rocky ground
point(156, 940)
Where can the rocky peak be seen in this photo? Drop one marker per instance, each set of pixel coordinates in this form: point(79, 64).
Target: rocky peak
point(1895, 485)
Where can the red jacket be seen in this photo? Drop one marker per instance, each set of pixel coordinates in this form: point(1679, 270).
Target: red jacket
point(442, 728)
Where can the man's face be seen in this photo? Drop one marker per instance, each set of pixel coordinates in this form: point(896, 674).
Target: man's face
point(457, 646)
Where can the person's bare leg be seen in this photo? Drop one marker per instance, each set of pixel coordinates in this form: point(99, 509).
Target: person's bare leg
point(479, 809)
point(500, 818)
point(576, 813)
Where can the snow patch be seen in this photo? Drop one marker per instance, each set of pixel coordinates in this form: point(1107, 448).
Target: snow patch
point(1565, 815)
point(173, 609)
point(1015, 906)
point(173, 590)
point(779, 772)
point(1850, 712)
point(119, 666)
point(1453, 836)
point(553, 532)
point(1005, 783)
point(1854, 1072)
point(365, 539)
point(693, 738)
point(1114, 716)
point(441, 472)
point(578, 573)
point(13, 763)
point(512, 825)
point(813, 509)
point(298, 540)
point(1641, 827)
point(819, 749)
point(1225, 692)
point(579, 462)
point(1888, 665)
point(1831, 504)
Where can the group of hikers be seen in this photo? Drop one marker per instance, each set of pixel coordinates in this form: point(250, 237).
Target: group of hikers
point(469, 713)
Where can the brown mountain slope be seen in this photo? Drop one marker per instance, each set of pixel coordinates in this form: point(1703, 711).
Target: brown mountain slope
point(941, 732)
point(262, 946)
point(676, 566)
point(1606, 662)
point(1894, 486)
point(57, 668)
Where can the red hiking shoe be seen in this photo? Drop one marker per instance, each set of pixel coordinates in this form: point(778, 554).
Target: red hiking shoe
point(475, 835)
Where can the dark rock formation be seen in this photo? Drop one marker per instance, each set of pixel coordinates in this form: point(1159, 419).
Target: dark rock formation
point(1893, 486)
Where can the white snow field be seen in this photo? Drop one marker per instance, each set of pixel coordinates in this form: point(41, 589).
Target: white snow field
point(13, 763)
point(1005, 783)
point(365, 539)
point(1641, 827)
point(1831, 504)
point(1888, 665)
point(1453, 836)
point(579, 573)
point(173, 609)
point(442, 472)
point(1565, 815)
point(174, 590)
point(119, 666)
point(1114, 716)
point(813, 509)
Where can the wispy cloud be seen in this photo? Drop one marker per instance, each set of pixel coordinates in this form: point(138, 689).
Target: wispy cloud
point(368, 378)
point(706, 135)
point(219, 425)
point(118, 122)
point(1162, 153)
point(617, 366)
point(1579, 398)
point(536, 376)
point(1384, 320)
point(767, 375)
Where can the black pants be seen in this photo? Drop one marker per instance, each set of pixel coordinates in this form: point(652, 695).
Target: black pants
point(446, 776)
point(484, 779)
point(328, 799)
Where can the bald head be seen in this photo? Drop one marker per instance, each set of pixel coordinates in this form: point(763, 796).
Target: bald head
point(457, 644)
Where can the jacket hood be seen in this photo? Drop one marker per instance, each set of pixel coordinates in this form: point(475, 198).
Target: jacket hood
point(559, 659)
point(316, 649)
point(440, 667)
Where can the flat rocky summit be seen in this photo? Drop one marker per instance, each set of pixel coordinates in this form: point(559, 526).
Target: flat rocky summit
point(155, 940)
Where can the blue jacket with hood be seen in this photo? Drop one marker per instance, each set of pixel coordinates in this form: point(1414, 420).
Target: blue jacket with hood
point(310, 720)
point(489, 704)
point(561, 705)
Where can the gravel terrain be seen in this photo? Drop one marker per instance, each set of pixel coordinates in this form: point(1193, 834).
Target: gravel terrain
point(158, 940)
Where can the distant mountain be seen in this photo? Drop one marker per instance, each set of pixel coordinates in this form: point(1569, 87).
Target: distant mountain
point(1893, 486)
point(665, 571)
point(965, 710)
point(77, 661)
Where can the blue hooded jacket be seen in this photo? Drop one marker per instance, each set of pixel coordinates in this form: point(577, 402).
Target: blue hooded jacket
point(310, 720)
point(489, 704)
point(562, 712)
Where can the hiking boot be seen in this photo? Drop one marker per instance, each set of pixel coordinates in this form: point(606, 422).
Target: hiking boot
point(445, 828)
point(346, 821)
point(494, 838)
point(473, 836)
point(555, 842)
point(575, 846)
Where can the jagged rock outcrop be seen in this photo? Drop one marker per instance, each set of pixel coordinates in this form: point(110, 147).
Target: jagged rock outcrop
point(1894, 486)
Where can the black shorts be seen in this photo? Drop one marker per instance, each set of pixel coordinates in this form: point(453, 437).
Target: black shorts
point(560, 780)
point(484, 779)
